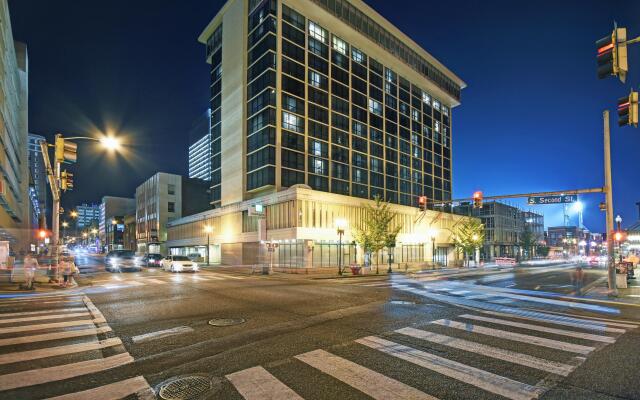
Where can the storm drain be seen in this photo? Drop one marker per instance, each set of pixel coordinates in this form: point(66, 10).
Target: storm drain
point(227, 321)
point(185, 388)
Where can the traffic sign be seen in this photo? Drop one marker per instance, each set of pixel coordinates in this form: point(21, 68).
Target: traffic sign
point(560, 199)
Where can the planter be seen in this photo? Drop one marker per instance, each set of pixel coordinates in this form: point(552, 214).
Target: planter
point(356, 270)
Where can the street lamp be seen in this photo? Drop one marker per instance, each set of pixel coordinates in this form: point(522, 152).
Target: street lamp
point(341, 224)
point(618, 221)
point(73, 214)
point(65, 225)
point(432, 234)
point(208, 229)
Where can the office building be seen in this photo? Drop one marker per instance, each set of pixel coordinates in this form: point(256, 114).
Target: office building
point(111, 224)
point(38, 185)
point(200, 148)
point(15, 224)
point(161, 199)
point(327, 95)
point(88, 216)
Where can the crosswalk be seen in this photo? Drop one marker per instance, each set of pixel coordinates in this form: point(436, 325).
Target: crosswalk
point(489, 351)
point(49, 343)
point(117, 282)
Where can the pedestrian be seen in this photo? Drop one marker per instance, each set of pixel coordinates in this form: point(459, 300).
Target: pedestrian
point(29, 265)
point(578, 280)
point(68, 268)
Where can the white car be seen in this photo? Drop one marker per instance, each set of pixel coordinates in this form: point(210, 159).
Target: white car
point(178, 264)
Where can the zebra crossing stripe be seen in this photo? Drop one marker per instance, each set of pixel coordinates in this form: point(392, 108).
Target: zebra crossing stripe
point(518, 337)
point(370, 382)
point(156, 281)
point(117, 390)
point(41, 317)
point(54, 336)
point(214, 277)
point(473, 376)
point(490, 351)
point(562, 332)
point(52, 325)
point(228, 276)
point(597, 320)
point(588, 325)
point(57, 351)
point(258, 384)
point(60, 372)
point(50, 311)
point(134, 283)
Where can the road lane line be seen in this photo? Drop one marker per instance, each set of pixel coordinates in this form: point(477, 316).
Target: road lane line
point(490, 351)
point(54, 336)
point(60, 372)
point(44, 317)
point(370, 382)
point(588, 325)
point(113, 391)
point(49, 311)
point(21, 356)
point(200, 278)
point(518, 337)
point(52, 325)
point(161, 334)
point(133, 283)
point(465, 373)
point(156, 281)
point(258, 384)
point(214, 277)
point(562, 332)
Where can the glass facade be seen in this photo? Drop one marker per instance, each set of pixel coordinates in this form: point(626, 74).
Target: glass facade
point(214, 48)
point(349, 124)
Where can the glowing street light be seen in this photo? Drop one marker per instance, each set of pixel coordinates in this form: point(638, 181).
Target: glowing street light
point(73, 214)
point(110, 143)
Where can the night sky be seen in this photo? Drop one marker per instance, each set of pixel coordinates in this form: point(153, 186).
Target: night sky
point(530, 119)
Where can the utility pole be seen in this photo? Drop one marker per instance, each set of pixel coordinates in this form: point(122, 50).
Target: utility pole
point(611, 268)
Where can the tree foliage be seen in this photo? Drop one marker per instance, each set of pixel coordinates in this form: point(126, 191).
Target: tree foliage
point(378, 230)
point(468, 236)
point(528, 240)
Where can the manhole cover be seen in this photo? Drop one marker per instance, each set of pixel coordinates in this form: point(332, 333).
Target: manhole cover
point(402, 302)
point(185, 388)
point(227, 321)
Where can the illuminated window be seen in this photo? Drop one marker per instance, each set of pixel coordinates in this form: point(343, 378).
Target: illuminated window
point(315, 31)
point(426, 98)
point(357, 55)
point(340, 45)
point(415, 114)
point(314, 79)
point(292, 122)
point(436, 105)
point(375, 107)
point(445, 110)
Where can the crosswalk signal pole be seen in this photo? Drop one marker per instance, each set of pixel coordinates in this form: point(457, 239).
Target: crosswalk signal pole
point(609, 206)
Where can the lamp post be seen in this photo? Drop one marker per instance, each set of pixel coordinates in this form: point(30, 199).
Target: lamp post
point(208, 229)
point(84, 236)
point(432, 234)
point(618, 236)
point(341, 224)
point(65, 225)
point(475, 238)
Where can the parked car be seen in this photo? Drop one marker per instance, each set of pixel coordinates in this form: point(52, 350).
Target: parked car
point(152, 260)
point(178, 264)
point(122, 260)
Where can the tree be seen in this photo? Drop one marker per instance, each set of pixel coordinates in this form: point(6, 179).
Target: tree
point(543, 251)
point(390, 243)
point(528, 241)
point(468, 236)
point(377, 230)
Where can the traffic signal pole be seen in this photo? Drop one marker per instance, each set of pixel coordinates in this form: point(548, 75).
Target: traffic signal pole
point(611, 268)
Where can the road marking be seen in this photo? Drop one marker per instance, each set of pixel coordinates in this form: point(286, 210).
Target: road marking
point(518, 337)
point(589, 325)
point(156, 281)
point(62, 301)
point(161, 334)
point(214, 277)
point(258, 384)
point(50, 311)
point(52, 325)
point(57, 351)
point(199, 278)
point(41, 317)
point(41, 299)
point(60, 372)
point(227, 276)
point(371, 383)
point(381, 284)
point(562, 332)
point(490, 351)
point(473, 376)
point(113, 391)
point(623, 323)
point(54, 336)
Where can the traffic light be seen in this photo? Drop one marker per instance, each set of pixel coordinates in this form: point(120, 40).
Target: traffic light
point(612, 54)
point(66, 181)
point(65, 151)
point(628, 110)
point(477, 199)
point(422, 203)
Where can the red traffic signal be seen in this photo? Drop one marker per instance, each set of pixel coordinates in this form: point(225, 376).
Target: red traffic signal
point(477, 199)
point(422, 202)
point(628, 110)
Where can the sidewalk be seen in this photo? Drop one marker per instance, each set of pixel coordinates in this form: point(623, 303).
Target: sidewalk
point(600, 291)
point(41, 284)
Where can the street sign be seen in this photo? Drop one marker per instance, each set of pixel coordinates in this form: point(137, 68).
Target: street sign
point(560, 199)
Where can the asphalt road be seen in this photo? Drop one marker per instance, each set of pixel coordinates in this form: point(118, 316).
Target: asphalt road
point(479, 335)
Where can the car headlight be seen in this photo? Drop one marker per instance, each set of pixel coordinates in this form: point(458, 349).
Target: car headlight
point(195, 266)
point(114, 261)
point(178, 267)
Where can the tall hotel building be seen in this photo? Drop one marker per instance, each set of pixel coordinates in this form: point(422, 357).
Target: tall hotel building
point(318, 106)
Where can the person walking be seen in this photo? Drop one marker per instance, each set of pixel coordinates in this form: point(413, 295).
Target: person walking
point(68, 268)
point(578, 280)
point(29, 265)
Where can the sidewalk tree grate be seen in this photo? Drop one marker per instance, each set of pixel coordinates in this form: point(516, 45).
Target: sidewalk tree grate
point(227, 321)
point(185, 388)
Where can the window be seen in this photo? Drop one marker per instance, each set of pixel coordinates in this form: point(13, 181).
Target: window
point(315, 79)
point(171, 206)
point(436, 105)
point(426, 99)
point(415, 114)
point(171, 189)
point(318, 166)
point(375, 107)
point(339, 45)
point(357, 56)
point(315, 31)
